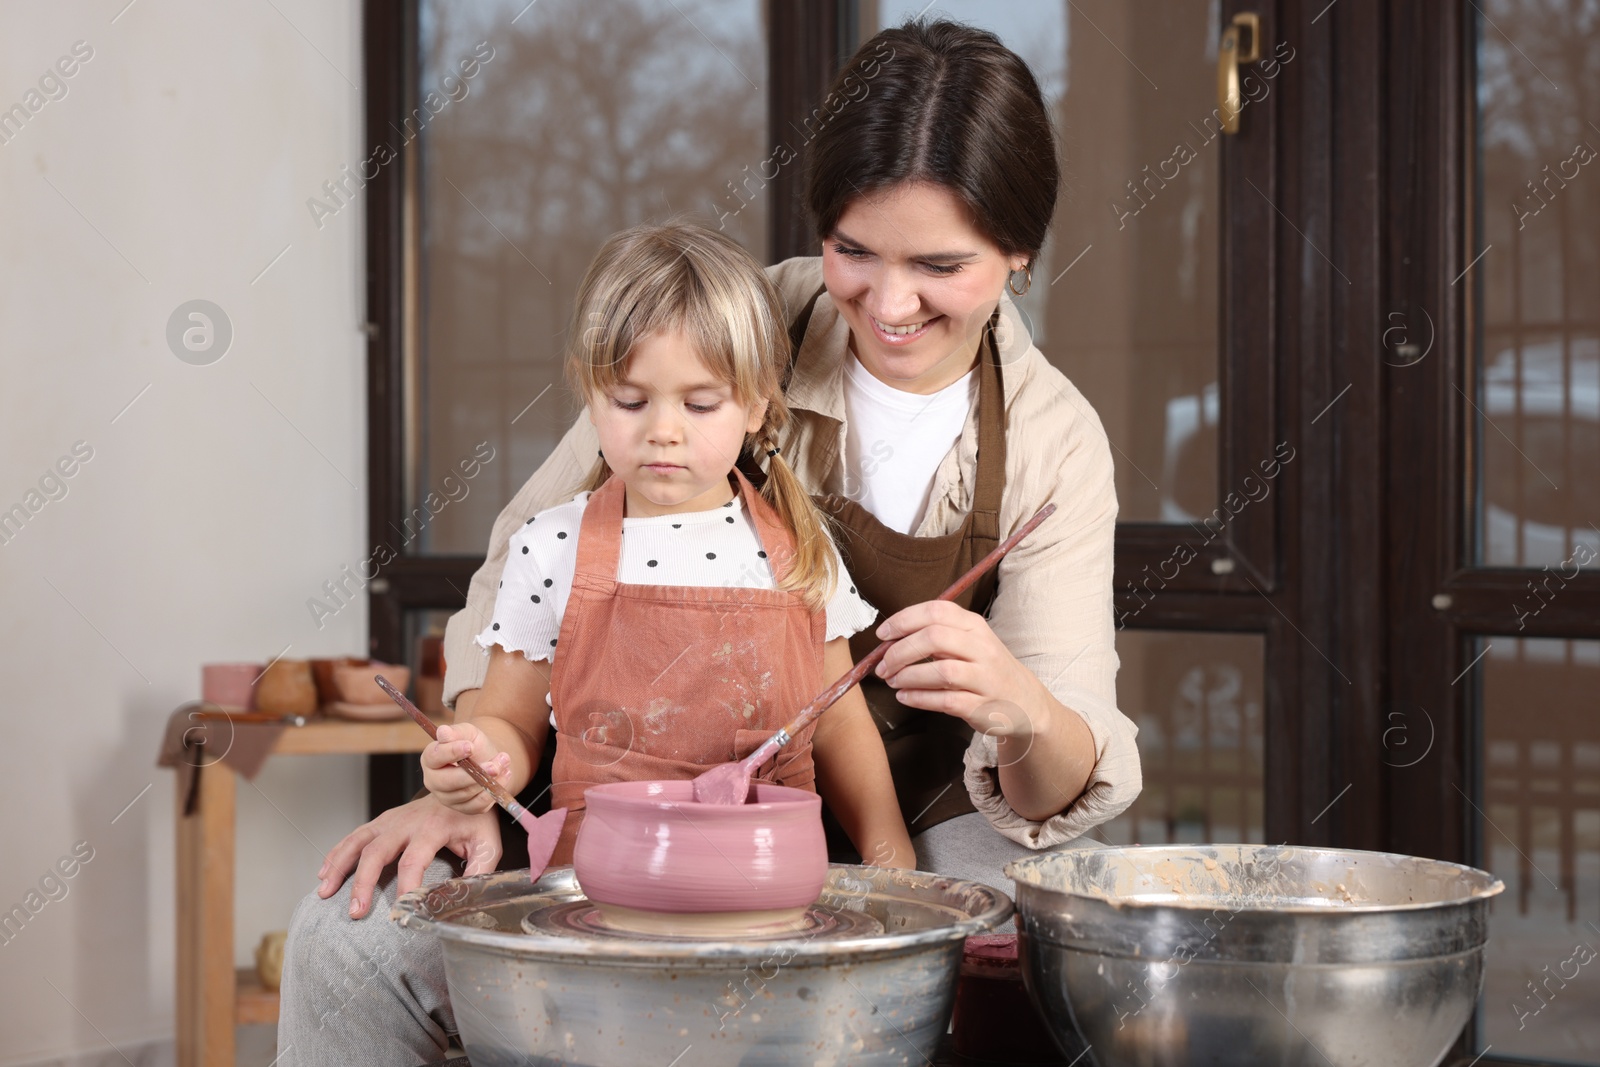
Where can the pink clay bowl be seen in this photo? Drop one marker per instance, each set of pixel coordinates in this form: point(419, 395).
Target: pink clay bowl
point(648, 847)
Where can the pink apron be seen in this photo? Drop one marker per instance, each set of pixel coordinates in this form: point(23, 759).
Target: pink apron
point(663, 682)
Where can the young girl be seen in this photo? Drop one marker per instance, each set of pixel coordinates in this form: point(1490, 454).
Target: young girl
point(675, 616)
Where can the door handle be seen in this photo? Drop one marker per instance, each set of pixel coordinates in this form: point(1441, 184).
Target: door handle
point(1241, 43)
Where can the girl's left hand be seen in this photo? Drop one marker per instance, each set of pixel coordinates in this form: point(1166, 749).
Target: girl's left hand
point(947, 659)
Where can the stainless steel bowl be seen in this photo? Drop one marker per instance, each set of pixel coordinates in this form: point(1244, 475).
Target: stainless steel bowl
point(1248, 954)
point(552, 997)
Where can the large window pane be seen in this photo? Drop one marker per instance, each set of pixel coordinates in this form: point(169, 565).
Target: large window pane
point(1197, 699)
point(589, 117)
point(1538, 823)
point(1537, 396)
point(1124, 296)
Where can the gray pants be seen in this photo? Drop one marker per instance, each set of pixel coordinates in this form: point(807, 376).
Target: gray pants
point(363, 991)
point(369, 991)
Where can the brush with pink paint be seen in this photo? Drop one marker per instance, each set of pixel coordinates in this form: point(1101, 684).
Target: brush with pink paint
point(543, 830)
point(729, 783)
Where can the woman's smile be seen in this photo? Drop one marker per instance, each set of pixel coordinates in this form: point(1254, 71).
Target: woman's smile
point(916, 309)
point(902, 335)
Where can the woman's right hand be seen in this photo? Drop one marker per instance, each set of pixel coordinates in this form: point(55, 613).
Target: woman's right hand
point(415, 833)
point(449, 782)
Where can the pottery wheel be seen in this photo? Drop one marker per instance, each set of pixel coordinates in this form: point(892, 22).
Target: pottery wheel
point(582, 918)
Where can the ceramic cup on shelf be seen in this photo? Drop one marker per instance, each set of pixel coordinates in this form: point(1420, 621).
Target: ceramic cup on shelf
point(359, 695)
point(229, 685)
point(322, 674)
point(286, 688)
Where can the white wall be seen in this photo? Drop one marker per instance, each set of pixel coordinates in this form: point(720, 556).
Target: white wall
point(180, 159)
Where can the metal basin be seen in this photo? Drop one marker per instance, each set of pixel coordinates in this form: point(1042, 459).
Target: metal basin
point(1250, 954)
point(874, 986)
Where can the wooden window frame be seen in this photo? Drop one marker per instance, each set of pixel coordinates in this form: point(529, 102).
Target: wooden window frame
point(805, 47)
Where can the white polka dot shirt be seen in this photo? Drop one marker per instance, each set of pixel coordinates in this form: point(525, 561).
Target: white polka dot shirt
point(719, 547)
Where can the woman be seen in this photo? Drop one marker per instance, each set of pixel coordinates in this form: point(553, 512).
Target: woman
point(930, 427)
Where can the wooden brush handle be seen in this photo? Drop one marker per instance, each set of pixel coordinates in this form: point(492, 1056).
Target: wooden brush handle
point(831, 695)
point(470, 765)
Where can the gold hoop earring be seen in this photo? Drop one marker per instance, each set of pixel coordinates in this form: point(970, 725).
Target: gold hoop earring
point(1011, 281)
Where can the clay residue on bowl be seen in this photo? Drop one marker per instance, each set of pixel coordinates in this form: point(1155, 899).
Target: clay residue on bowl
point(1198, 876)
point(1251, 877)
point(1207, 879)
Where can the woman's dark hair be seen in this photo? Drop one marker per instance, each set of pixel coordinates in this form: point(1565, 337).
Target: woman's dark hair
point(938, 102)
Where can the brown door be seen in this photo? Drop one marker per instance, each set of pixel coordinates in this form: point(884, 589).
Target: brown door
point(1386, 287)
point(1492, 402)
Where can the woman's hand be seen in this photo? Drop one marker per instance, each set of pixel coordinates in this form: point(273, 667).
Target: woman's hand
point(946, 659)
point(449, 782)
point(414, 832)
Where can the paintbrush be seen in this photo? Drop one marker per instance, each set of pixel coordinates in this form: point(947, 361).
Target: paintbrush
point(729, 783)
point(543, 830)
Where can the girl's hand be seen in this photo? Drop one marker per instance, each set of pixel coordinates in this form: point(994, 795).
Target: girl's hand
point(946, 659)
point(451, 784)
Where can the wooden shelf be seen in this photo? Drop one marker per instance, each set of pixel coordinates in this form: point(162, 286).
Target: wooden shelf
point(327, 737)
point(213, 995)
point(254, 1002)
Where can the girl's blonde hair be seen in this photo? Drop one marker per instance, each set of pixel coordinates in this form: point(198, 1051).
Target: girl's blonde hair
point(678, 277)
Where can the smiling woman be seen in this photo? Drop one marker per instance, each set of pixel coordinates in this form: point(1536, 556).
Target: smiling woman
point(921, 305)
point(968, 166)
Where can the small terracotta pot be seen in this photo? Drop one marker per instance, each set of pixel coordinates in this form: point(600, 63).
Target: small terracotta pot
point(322, 673)
point(229, 685)
point(648, 848)
point(356, 684)
point(286, 688)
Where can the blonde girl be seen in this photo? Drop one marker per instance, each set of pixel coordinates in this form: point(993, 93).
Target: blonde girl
point(672, 615)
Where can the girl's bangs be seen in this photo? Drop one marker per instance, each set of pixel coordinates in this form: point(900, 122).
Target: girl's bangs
point(687, 295)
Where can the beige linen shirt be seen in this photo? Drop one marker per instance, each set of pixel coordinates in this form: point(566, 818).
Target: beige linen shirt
point(1053, 610)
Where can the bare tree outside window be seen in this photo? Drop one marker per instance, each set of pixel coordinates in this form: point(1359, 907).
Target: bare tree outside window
point(589, 118)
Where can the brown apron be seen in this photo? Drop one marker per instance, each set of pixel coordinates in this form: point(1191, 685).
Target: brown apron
point(664, 682)
point(893, 570)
